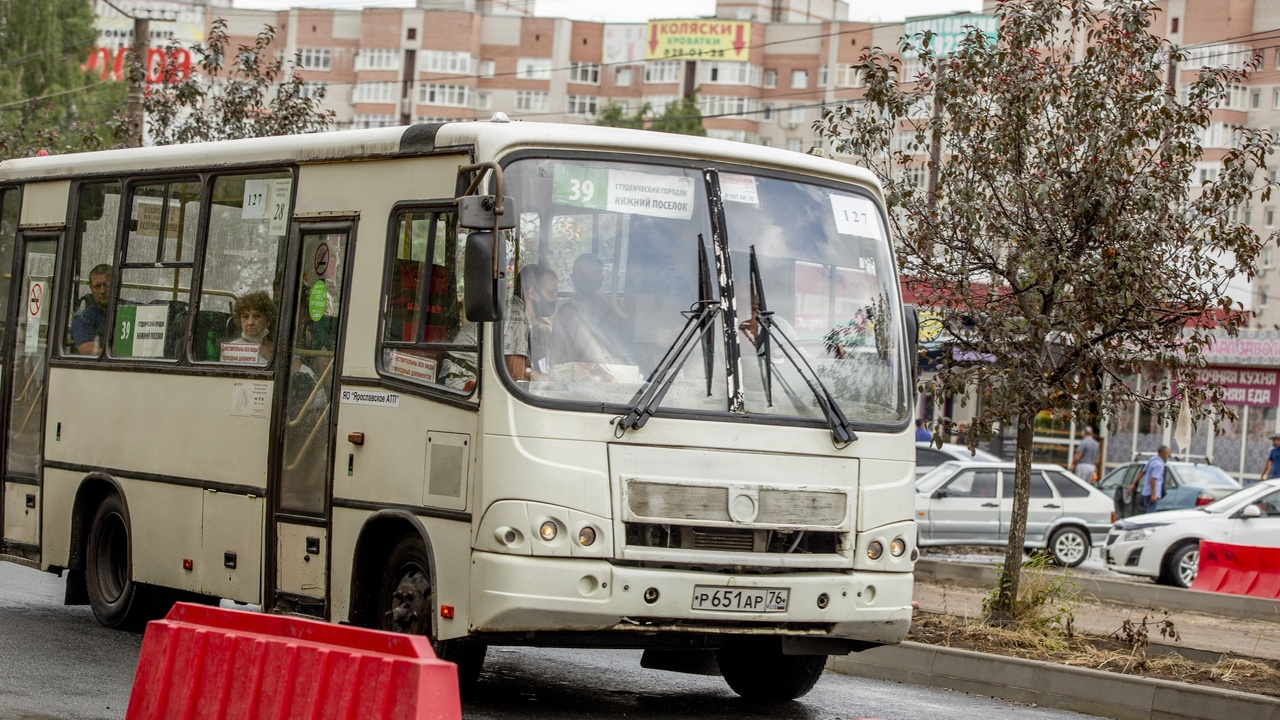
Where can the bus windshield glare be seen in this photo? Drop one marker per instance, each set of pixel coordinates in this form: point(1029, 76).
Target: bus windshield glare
point(605, 274)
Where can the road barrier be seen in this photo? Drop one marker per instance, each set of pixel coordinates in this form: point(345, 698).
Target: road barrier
point(1238, 570)
point(206, 663)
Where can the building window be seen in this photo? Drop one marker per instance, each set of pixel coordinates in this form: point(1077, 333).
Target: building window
point(799, 79)
point(378, 59)
point(374, 92)
point(662, 72)
point(727, 106)
point(822, 76)
point(1275, 94)
point(766, 113)
point(658, 103)
point(372, 120)
point(729, 73)
point(312, 89)
point(771, 78)
point(484, 101)
point(848, 76)
point(581, 105)
point(533, 69)
point(1173, 25)
point(450, 95)
point(1255, 99)
point(411, 34)
point(1262, 297)
point(486, 68)
point(795, 115)
point(532, 100)
point(584, 72)
point(315, 59)
point(623, 77)
point(447, 62)
point(795, 144)
point(1266, 257)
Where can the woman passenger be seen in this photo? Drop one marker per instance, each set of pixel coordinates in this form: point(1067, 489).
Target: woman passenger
point(256, 314)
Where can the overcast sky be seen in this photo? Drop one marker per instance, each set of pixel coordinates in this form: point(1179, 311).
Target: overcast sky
point(641, 10)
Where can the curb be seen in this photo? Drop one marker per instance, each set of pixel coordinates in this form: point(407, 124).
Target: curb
point(1146, 595)
point(1085, 690)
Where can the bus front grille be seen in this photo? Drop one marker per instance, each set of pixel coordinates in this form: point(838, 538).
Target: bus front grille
point(685, 537)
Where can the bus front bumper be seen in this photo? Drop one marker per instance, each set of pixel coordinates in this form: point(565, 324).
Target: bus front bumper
point(555, 595)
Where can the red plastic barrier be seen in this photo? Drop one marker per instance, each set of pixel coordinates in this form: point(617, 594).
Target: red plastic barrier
point(1238, 570)
point(205, 663)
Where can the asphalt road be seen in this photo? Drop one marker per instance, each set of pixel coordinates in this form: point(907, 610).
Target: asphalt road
point(56, 662)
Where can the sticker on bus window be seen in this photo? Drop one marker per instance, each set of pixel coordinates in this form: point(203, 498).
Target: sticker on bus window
point(625, 191)
point(243, 353)
point(251, 398)
point(277, 209)
point(253, 206)
point(739, 189)
point(413, 367)
point(856, 216)
point(140, 330)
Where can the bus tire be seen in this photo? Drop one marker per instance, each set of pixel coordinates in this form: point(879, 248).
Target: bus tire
point(406, 604)
point(761, 672)
point(117, 601)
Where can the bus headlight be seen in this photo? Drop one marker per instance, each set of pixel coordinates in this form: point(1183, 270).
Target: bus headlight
point(875, 550)
point(586, 536)
point(548, 530)
point(897, 547)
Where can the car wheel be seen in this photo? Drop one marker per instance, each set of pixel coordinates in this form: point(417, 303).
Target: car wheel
point(1182, 565)
point(1069, 546)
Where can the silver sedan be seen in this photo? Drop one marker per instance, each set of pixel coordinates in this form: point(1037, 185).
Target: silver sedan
point(971, 503)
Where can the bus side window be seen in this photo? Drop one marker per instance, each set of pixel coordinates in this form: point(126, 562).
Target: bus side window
point(96, 221)
point(242, 261)
point(423, 304)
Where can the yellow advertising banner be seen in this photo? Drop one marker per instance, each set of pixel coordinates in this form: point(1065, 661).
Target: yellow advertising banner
point(704, 39)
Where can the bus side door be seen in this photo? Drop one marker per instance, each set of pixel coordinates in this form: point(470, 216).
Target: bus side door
point(307, 417)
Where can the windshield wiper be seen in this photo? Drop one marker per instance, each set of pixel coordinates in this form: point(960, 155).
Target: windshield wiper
point(841, 429)
point(698, 319)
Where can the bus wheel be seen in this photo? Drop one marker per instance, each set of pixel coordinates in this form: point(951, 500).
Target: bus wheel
point(761, 672)
point(406, 604)
point(117, 601)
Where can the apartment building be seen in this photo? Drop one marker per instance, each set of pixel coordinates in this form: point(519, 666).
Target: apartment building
point(466, 59)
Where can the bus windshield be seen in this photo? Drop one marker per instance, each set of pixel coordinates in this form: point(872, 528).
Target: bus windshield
point(605, 275)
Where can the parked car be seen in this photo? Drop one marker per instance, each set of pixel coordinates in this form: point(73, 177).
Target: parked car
point(1166, 545)
point(930, 456)
point(970, 503)
point(1186, 485)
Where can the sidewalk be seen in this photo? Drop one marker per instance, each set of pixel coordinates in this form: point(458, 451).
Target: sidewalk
point(1252, 638)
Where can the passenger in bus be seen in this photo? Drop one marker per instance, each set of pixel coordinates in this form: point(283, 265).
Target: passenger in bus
point(89, 326)
point(589, 324)
point(526, 336)
point(256, 314)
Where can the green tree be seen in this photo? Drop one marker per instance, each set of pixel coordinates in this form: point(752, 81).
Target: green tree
point(248, 93)
point(682, 116)
point(614, 114)
point(679, 116)
point(46, 100)
point(1065, 237)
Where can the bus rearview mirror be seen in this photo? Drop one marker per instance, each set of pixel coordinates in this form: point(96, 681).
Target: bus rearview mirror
point(482, 293)
point(477, 212)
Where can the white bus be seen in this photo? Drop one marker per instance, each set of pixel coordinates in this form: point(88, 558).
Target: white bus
point(492, 382)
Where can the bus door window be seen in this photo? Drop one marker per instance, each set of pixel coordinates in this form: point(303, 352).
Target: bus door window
point(26, 409)
point(96, 220)
point(240, 304)
point(317, 310)
point(154, 290)
point(426, 339)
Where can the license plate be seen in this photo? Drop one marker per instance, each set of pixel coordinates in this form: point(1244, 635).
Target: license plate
point(757, 600)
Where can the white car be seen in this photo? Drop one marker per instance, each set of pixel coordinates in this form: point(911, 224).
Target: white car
point(971, 503)
point(930, 456)
point(1166, 545)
